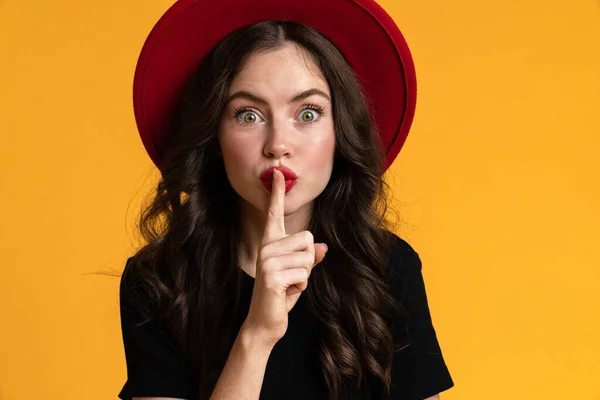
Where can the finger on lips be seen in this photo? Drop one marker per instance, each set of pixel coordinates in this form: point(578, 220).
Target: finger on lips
point(298, 249)
point(275, 225)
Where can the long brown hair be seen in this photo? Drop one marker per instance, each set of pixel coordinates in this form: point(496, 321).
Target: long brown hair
point(189, 262)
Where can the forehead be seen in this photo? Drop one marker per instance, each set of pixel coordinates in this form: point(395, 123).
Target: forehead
point(289, 67)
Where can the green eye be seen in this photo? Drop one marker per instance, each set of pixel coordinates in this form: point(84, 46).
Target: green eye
point(246, 115)
point(249, 117)
point(311, 113)
point(308, 115)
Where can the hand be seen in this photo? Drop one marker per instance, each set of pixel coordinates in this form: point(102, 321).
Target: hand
point(282, 269)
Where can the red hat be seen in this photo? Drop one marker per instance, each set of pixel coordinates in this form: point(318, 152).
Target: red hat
point(361, 29)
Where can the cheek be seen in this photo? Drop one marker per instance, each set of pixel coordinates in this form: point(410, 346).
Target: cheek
point(329, 146)
point(318, 162)
point(238, 159)
point(233, 150)
point(323, 152)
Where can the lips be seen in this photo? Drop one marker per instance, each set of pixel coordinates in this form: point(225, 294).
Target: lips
point(287, 173)
point(290, 178)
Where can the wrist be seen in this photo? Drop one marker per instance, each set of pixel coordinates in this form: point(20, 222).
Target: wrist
point(252, 340)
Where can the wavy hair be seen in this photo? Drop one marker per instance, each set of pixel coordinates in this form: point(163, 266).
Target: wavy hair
point(189, 262)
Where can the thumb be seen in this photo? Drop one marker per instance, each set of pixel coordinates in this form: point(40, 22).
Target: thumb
point(320, 251)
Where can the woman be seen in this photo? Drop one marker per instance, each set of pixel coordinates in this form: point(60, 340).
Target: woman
point(270, 269)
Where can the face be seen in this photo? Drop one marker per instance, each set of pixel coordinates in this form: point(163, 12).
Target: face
point(279, 113)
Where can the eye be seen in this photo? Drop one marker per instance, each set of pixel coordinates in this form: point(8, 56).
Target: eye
point(246, 115)
point(311, 113)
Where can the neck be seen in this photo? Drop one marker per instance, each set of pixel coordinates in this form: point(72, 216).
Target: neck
point(252, 223)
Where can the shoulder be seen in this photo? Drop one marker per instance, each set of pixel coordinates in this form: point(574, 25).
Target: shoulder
point(419, 370)
point(407, 287)
point(399, 246)
point(403, 261)
point(131, 288)
point(155, 365)
point(135, 295)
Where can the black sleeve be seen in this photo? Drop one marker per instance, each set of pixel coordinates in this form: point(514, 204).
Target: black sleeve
point(418, 370)
point(154, 367)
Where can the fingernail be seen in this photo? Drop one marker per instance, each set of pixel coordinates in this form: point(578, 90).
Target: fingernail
point(326, 248)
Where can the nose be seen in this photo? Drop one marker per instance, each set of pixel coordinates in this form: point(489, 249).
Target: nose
point(278, 143)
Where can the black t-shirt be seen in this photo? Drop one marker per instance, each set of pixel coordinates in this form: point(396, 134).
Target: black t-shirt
point(156, 369)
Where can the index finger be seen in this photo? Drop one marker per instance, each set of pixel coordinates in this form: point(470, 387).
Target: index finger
point(275, 225)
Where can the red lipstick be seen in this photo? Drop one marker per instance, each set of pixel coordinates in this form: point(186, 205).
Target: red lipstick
point(290, 178)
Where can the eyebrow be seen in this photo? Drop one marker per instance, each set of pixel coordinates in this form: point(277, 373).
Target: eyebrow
point(243, 94)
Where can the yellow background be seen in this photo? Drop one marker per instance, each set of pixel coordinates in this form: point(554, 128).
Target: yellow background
point(498, 184)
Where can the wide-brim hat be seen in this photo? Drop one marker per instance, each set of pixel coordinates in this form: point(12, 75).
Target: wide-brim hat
point(362, 30)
